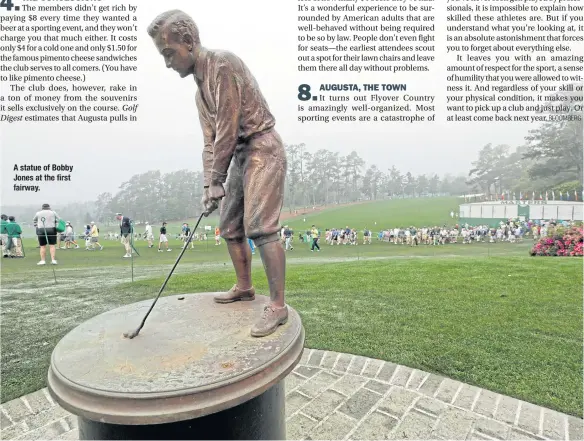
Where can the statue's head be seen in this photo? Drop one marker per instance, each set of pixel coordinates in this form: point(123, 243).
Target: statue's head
point(176, 37)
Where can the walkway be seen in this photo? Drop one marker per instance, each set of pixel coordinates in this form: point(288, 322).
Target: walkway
point(341, 396)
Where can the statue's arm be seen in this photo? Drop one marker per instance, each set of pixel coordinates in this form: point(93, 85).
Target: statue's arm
point(208, 139)
point(228, 101)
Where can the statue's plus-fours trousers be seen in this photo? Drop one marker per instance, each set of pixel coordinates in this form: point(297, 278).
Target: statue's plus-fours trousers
point(239, 136)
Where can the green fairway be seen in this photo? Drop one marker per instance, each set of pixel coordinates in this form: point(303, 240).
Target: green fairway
point(474, 320)
point(469, 312)
point(485, 314)
point(380, 215)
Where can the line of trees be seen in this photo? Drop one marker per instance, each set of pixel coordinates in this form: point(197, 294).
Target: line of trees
point(150, 196)
point(550, 159)
point(313, 179)
point(153, 196)
point(324, 177)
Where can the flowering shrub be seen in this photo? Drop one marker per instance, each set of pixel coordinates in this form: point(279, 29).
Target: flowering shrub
point(568, 242)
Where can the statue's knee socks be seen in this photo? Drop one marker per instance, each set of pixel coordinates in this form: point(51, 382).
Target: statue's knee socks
point(259, 241)
point(240, 253)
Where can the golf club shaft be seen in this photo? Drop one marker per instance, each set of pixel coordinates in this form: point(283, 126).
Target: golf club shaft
point(171, 271)
point(132, 254)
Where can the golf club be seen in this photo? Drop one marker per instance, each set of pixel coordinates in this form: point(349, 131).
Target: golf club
point(134, 333)
point(135, 250)
point(132, 240)
point(132, 245)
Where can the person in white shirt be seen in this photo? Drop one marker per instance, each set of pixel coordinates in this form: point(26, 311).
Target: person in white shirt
point(70, 237)
point(148, 234)
point(45, 222)
point(518, 234)
point(443, 234)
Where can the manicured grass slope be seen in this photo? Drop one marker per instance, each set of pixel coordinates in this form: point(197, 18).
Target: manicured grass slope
point(477, 320)
point(387, 214)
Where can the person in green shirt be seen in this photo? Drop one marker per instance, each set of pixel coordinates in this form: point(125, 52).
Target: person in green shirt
point(314, 234)
point(414, 236)
point(14, 231)
point(4, 235)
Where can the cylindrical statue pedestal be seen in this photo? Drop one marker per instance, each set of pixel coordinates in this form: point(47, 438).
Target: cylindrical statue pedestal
point(193, 372)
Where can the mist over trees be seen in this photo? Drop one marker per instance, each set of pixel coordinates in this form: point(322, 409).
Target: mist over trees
point(550, 159)
point(324, 177)
point(313, 179)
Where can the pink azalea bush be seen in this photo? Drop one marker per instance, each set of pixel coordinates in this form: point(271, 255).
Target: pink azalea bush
point(569, 242)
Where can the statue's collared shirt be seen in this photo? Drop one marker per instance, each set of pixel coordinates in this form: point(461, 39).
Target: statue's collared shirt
point(231, 109)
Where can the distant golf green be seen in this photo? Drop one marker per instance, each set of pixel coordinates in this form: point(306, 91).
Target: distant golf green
point(380, 215)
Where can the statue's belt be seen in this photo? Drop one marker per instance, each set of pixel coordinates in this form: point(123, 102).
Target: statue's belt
point(245, 140)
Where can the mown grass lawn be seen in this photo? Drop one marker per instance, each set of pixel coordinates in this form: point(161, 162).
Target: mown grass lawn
point(511, 325)
point(380, 215)
point(484, 314)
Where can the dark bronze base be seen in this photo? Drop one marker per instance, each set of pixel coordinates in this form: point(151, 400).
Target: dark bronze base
point(262, 417)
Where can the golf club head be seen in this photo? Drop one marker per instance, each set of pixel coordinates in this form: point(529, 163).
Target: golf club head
point(131, 334)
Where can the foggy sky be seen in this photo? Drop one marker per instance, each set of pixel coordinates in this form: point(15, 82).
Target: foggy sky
point(168, 137)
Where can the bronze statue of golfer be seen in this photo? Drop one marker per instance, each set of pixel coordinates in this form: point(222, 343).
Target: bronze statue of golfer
point(239, 135)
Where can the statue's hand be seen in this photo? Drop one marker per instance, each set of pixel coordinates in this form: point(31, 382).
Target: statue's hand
point(205, 201)
point(210, 207)
point(216, 191)
point(209, 204)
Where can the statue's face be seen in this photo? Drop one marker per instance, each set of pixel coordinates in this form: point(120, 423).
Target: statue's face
point(178, 55)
